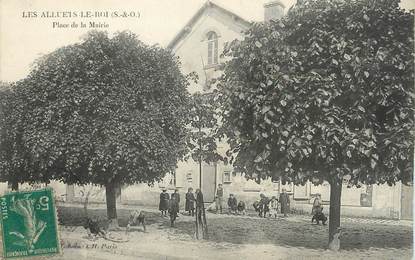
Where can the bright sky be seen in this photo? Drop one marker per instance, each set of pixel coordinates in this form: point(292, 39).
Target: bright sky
point(23, 39)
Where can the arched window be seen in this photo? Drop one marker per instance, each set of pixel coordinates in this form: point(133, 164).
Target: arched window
point(212, 38)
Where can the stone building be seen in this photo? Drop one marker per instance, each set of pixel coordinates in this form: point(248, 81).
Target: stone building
point(199, 45)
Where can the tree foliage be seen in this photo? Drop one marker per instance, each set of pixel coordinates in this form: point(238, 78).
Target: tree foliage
point(105, 110)
point(16, 164)
point(326, 93)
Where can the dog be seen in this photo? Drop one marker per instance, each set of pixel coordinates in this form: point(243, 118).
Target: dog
point(92, 227)
point(241, 208)
point(136, 218)
point(319, 216)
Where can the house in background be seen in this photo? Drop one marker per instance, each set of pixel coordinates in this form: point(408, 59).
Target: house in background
point(199, 45)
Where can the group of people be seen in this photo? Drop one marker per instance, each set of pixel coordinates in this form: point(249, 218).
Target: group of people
point(235, 207)
point(193, 202)
point(171, 204)
point(270, 207)
point(265, 206)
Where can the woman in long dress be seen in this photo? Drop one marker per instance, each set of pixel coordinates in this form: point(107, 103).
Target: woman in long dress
point(164, 202)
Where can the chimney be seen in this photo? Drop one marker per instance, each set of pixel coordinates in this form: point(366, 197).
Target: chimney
point(273, 10)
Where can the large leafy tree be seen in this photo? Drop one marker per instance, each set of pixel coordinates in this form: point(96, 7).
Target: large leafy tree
point(325, 94)
point(202, 139)
point(107, 111)
point(16, 165)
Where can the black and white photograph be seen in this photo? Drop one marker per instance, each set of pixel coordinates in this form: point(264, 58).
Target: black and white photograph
point(207, 129)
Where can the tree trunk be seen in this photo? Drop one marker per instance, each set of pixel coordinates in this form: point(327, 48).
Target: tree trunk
point(205, 228)
point(15, 185)
point(334, 214)
point(200, 159)
point(200, 174)
point(110, 194)
point(201, 224)
point(86, 204)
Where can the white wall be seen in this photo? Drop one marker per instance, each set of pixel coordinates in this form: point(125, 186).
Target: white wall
point(193, 47)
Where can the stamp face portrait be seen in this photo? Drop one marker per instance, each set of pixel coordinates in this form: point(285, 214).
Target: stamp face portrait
point(29, 226)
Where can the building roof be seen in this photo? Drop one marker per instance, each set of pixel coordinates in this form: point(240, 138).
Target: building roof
point(208, 4)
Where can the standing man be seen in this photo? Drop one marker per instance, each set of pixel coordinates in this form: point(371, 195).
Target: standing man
point(219, 198)
point(285, 202)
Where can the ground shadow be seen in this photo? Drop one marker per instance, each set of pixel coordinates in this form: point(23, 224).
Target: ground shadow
point(302, 234)
point(72, 216)
point(249, 230)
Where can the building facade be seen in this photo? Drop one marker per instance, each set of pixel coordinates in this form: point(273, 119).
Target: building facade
point(198, 45)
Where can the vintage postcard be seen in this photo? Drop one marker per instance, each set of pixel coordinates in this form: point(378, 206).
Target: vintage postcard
point(207, 129)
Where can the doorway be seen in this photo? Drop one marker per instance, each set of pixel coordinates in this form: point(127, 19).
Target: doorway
point(209, 182)
point(407, 202)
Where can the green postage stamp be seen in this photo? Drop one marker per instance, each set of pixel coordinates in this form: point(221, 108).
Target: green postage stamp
point(29, 224)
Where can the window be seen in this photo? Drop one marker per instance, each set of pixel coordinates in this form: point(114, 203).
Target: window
point(227, 176)
point(212, 38)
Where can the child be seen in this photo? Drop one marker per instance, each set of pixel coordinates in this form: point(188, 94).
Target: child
point(232, 204)
point(263, 206)
point(273, 207)
point(173, 209)
point(317, 211)
point(241, 208)
point(175, 199)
